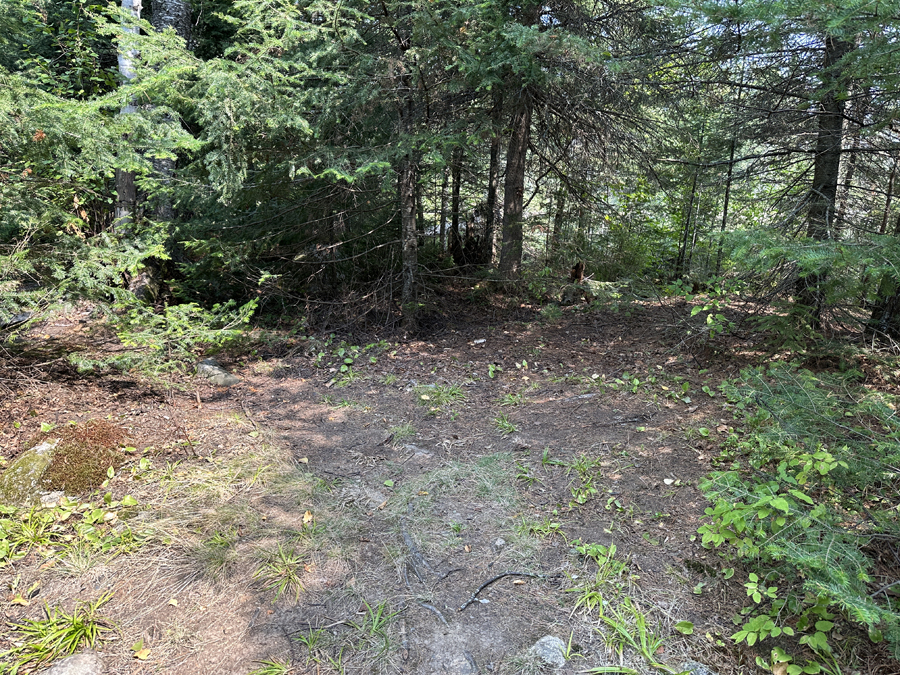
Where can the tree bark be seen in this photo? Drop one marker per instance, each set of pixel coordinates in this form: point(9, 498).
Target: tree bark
point(885, 319)
point(514, 187)
point(456, 244)
point(126, 194)
point(408, 240)
point(826, 168)
point(173, 14)
point(169, 14)
point(680, 263)
point(443, 214)
point(491, 229)
point(420, 213)
point(725, 205)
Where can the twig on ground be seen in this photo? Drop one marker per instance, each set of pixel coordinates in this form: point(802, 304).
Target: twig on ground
point(432, 608)
point(247, 413)
point(492, 580)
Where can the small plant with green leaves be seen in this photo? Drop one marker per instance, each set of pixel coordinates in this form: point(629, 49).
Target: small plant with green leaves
point(374, 626)
point(610, 576)
point(69, 523)
point(504, 426)
point(545, 528)
point(436, 396)
point(401, 431)
point(584, 486)
point(280, 571)
point(525, 474)
point(272, 667)
point(512, 399)
point(630, 627)
point(59, 633)
point(389, 379)
point(551, 313)
point(547, 460)
point(217, 554)
point(494, 369)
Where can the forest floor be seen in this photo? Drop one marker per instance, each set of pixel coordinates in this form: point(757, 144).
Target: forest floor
point(335, 521)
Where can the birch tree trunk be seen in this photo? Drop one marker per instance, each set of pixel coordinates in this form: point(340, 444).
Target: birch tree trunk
point(126, 193)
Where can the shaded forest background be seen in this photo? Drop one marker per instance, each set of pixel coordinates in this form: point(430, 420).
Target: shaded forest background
point(194, 167)
point(332, 158)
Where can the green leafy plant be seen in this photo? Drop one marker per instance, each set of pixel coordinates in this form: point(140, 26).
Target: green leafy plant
point(436, 396)
point(512, 399)
point(281, 570)
point(272, 667)
point(58, 634)
point(374, 626)
point(401, 431)
point(814, 444)
point(609, 577)
point(631, 627)
point(504, 426)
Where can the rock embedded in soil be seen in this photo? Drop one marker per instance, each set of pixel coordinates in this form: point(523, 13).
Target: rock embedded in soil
point(216, 374)
point(551, 650)
point(696, 668)
point(86, 663)
point(20, 483)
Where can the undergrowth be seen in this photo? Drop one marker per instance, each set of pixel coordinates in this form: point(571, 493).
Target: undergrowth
point(809, 499)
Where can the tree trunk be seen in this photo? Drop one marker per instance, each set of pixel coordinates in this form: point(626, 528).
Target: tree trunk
point(420, 214)
point(456, 245)
point(885, 319)
point(126, 194)
point(490, 228)
point(408, 240)
point(727, 200)
point(169, 14)
point(890, 196)
point(826, 168)
point(173, 14)
point(514, 187)
point(443, 214)
point(558, 219)
point(680, 267)
point(854, 132)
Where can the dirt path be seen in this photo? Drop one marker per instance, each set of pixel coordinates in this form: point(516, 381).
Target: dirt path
point(376, 504)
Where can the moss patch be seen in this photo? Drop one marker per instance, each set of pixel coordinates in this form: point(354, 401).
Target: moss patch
point(83, 456)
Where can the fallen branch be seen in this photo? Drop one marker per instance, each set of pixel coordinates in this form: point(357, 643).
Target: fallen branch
point(497, 578)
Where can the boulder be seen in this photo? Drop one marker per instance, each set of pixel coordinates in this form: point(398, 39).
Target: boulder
point(21, 482)
point(86, 663)
point(216, 374)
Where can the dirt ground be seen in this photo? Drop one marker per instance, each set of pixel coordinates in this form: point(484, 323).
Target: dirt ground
point(384, 508)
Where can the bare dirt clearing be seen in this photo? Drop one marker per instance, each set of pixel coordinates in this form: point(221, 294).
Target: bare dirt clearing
point(340, 521)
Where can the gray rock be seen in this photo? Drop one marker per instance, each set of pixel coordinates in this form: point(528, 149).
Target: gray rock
point(551, 650)
point(20, 483)
point(500, 543)
point(15, 320)
point(86, 663)
point(696, 668)
point(216, 374)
